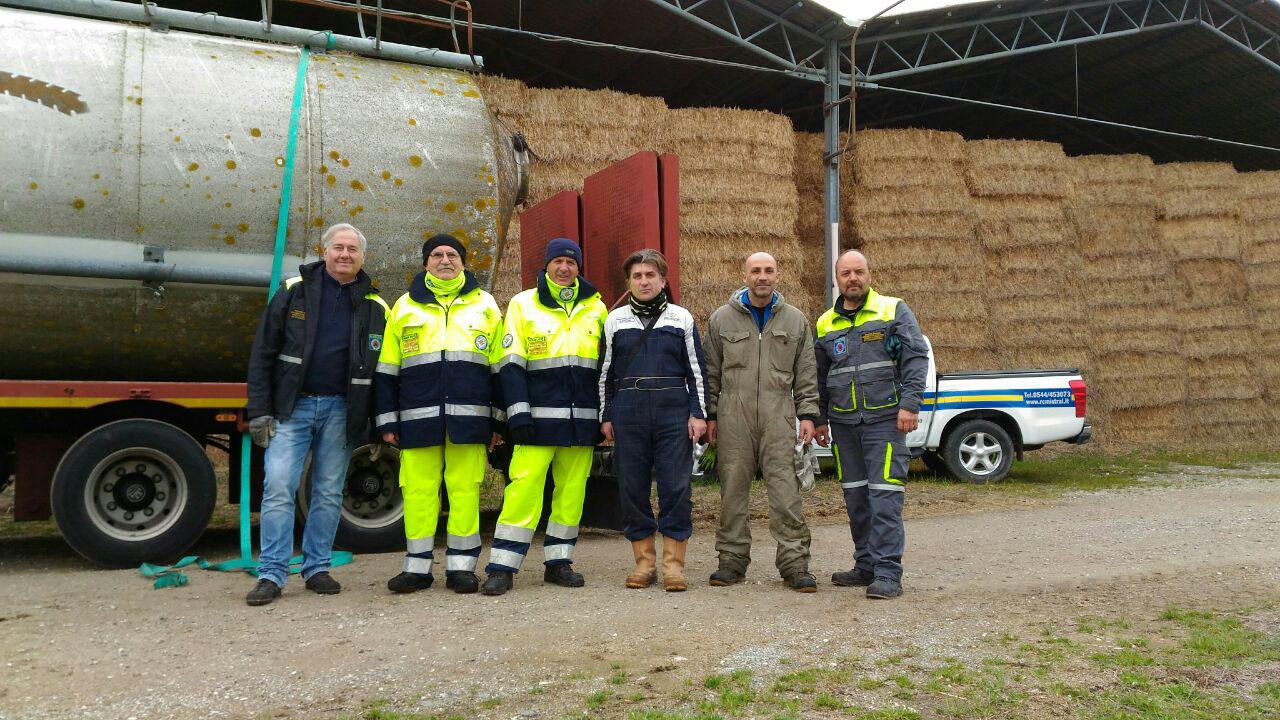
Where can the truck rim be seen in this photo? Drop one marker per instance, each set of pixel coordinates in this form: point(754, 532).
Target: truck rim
point(371, 496)
point(135, 494)
point(980, 453)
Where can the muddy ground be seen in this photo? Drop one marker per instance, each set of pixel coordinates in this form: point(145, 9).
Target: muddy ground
point(80, 642)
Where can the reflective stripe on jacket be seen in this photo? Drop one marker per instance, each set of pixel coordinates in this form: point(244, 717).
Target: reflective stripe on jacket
point(286, 334)
point(433, 374)
point(872, 364)
point(548, 365)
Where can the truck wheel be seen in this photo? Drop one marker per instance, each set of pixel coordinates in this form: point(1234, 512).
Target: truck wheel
point(978, 451)
point(934, 462)
point(372, 508)
point(133, 491)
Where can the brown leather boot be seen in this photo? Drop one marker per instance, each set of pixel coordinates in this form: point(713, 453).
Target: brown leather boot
point(673, 565)
point(646, 572)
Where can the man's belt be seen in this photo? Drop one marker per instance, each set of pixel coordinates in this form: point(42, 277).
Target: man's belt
point(652, 383)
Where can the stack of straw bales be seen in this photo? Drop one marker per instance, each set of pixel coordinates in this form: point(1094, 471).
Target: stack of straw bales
point(910, 213)
point(811, 221)
point(1020, 192)
point(1200, 229)
point(1259, 212)
point(574, 133)
point(1136, 390)
point(737, 196)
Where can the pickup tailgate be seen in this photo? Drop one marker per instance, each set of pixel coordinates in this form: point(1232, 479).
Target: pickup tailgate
point(1041, 401)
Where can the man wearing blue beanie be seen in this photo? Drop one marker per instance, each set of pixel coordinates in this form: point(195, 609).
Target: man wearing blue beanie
point(547, 371)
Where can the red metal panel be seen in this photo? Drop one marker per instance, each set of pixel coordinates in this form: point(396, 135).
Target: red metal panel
point(37, 458)
point(620, 214)
point(669, 189)
point(557, 216)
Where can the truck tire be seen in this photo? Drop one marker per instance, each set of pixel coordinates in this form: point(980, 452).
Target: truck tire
point(935, 464)
point(133, 491)
point(978, 451)
point(372, 508)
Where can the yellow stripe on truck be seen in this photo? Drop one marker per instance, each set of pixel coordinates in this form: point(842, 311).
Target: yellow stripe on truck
point(972, 398)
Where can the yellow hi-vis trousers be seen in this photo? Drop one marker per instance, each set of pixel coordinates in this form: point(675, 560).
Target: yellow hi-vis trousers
point(421, 470)
point(522, 505)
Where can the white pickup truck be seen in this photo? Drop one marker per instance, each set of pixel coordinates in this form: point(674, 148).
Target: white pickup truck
point(974, 423)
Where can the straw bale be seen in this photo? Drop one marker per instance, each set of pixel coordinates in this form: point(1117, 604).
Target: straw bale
point(1118, 367)
point(685, 127)
point(950, 359)
point(1228, 317)
point(599, 108)
point(738, 218)
point(1026, 154)
point(1197, 175)
point(1202, 238)
point(1108, 232)
point(998, 181)
point(1131, 393)
point(1063, 333)
point(1022, 209)
point(1260, 184)
point(1210, 283)
point(722, 185)
point(1158, 425)
point(1030, 309)
point(929, 307)
point(1101, 170)
point(1136, 291)
point(908, 174)
point(995, 234)
point(1226, 418)
point(923, 253)
point(1267, 319)
point(1197, 189)
point(556, 142)
point(1151, 265)
point(1225, 367)
point(1260, 210)
point(954, 333)
point(1221, 389)
point(1132, 317)
point(874, 202)
point(908, 144)
point(1051, 358)
point(1033, 258)
point(1004, 285)
point(902, 282)
point(1133, 196)
point(879, 228)
point(1210, 342)
point(1147, 340)
point(1262, 275)
point(729, 154)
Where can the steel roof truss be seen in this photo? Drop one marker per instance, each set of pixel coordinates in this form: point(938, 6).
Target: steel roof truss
point(1241, 30)
point(757, 29)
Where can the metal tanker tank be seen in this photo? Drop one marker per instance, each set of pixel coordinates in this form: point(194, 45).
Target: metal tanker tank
point(127, 148)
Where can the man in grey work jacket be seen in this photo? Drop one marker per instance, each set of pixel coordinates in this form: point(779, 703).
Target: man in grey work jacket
point(872, 365)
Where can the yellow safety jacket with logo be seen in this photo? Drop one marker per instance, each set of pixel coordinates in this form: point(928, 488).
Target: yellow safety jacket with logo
point(548, 365)
point(433, 375)
point(872, 361)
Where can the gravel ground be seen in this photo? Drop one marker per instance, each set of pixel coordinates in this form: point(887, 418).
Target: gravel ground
point(89, 643)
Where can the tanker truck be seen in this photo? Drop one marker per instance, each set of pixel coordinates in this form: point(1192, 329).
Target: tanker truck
point(144, 175)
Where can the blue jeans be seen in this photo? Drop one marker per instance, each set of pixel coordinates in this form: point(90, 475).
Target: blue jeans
point(318, 424)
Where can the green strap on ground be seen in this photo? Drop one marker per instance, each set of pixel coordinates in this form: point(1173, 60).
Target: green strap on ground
point(171, 575)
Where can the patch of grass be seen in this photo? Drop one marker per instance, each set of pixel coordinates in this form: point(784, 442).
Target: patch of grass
point(827, 701)
point(597, 699)
point(870, 683)
point(491, 703)
point(618, 678)
point(1174, 701)
point(890, 714)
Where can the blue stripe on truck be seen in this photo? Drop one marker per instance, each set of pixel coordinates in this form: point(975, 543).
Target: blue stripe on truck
point(1013, 397)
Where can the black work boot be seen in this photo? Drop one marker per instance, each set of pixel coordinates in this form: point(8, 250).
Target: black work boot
point(884, 588)
point(498, 582)
point(856, 577)
point(562, 574)
point(725, 577)
point(407, 582)
point(262, 593)
point(461, 581)
point(803, 582)
point(322, 583)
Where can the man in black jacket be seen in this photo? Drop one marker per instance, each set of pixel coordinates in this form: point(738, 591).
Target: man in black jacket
point(310, 380)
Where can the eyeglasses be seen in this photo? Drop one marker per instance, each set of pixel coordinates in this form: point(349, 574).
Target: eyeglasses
point(444, 255)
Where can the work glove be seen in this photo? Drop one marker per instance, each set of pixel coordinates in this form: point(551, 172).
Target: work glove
point(379, 448)
point(522, 435)
point(262, 429)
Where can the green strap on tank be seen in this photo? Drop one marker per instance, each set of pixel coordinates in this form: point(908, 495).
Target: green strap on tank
point(171, 576)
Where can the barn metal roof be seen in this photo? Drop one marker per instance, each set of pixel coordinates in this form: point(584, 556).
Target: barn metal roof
point(1202, 67)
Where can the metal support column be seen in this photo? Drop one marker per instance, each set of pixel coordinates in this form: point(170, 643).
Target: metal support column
point(831, 166)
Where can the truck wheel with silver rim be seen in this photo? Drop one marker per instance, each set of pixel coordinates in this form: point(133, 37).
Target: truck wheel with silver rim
point(978, 451)
point(133, 491)
point(372, 517)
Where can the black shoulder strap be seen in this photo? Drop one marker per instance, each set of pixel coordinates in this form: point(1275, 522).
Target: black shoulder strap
point(644, 335)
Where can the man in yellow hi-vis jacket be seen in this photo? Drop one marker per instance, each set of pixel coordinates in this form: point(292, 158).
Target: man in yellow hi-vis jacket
point(547, 370)
point(434, 398)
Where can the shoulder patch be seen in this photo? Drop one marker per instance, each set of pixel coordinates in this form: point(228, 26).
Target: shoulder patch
point(482, 342)
point(507, 340)
point(375, 342)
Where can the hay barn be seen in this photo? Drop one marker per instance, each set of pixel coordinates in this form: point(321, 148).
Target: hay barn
point(1129, 226)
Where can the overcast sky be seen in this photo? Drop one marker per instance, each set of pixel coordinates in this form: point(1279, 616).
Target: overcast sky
point(863, 9)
